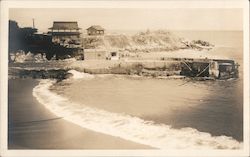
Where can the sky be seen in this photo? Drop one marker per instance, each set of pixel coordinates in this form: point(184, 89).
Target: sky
point(133, 18)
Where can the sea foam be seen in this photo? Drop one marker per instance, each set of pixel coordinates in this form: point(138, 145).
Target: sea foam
point(80, 75)
point(131, 128)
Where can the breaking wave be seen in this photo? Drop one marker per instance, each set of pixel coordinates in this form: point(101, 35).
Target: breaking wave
point(80, 75)
point(128, 127)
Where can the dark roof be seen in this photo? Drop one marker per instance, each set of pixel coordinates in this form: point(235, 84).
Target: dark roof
point(64, 33)
point(96, 27)
point(65, 25)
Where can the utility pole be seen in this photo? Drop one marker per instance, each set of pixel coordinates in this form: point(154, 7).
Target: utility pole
point(33, 20)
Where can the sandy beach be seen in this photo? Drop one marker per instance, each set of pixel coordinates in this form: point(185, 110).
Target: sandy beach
point(32, 126)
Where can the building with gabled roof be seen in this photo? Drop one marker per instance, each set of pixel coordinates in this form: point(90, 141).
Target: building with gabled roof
point(65, 25)
point(66, 33)
point(95, 30)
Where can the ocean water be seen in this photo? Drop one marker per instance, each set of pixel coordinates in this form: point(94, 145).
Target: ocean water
point(227, 43)
point(162, 113)
point(131, 119)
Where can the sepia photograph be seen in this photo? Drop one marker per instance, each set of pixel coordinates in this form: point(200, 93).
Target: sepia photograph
point(136, 76)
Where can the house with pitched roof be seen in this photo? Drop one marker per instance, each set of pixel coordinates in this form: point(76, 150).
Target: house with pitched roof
point(95, 30)
point(66, 33)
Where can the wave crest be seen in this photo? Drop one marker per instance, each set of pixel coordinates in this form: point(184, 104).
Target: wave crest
point(80, 75)
point(128, 127)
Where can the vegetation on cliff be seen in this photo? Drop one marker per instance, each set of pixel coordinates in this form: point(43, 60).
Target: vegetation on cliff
point(143, 41)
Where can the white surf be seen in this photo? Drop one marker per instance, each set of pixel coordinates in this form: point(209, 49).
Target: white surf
point(131, 128)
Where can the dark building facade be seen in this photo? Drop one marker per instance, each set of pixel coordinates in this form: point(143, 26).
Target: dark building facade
point(66, 33)
point(63, 41)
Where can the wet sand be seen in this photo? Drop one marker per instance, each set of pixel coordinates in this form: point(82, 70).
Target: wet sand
point(32, 126)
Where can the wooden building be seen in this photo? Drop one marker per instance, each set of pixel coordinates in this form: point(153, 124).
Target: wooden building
point(95, 30)
point(66, 33)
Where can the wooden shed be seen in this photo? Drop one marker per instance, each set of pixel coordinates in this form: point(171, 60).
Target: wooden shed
point(95, 30)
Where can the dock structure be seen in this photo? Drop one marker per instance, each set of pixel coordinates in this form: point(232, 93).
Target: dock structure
point(215, 68)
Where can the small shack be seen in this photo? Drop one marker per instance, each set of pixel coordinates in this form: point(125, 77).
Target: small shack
point(95, 30)
point(113, 55)
point(227, 69)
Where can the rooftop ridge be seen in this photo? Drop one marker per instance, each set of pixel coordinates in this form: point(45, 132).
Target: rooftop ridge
point(65, 25)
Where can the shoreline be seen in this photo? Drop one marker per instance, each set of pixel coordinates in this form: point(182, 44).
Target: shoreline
point(121, 125)
point(32, 126)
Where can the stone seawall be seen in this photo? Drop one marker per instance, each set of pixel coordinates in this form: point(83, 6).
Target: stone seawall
point(139, 68)
point(58, 74)
point(150, 68)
